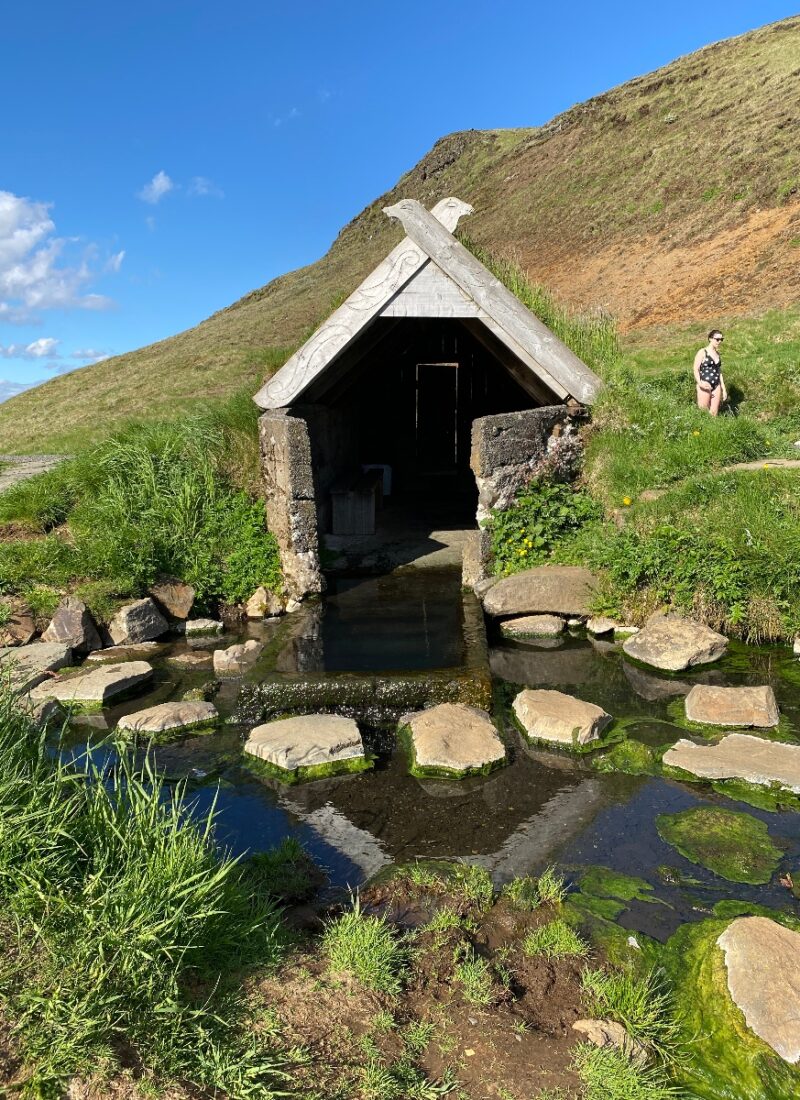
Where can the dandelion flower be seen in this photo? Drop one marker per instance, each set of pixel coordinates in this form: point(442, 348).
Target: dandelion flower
point(626, 501)
point(695, 432)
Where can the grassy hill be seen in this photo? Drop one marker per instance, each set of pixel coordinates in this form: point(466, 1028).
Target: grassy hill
point(674, 198)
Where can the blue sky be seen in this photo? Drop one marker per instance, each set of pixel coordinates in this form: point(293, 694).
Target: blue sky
point(159, 160)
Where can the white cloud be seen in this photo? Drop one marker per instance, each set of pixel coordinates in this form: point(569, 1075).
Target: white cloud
point(205, 188)
point(43, 348)
point(11, 389)
point(114, 263)
point(33, 272)
point(154, 191)
point(290, 116)
point(89, 355)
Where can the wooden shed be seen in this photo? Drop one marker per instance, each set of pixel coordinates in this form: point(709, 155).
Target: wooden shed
point(414, 376)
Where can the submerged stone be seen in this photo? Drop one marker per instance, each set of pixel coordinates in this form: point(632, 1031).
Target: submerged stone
point(452, 741)
point(546, 589)
point(97, 687)
point(740, 756)
point(674, 643)
point(191, 660)
point(533, 626)
point(763, 964)
point(29, 665)
point(554, 716)
point(238, 658)
point(125, 652)
point(140, 621)
point(170, 717)
point(736, 846)
point(732, 706)
point(308, 746)
point(601, 624)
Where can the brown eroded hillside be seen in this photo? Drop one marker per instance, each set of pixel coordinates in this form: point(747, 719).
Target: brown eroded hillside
point(672, 198)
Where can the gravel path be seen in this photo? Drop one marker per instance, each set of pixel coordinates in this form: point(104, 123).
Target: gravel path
point(16, 468)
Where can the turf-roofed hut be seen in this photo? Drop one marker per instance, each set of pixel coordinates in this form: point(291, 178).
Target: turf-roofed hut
point(431, 382)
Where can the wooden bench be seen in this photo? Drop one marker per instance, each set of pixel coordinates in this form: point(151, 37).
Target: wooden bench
point(353, 503)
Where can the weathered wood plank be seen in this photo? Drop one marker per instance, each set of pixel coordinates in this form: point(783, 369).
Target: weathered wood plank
point(508, 313)
point(430, 293)
point(344, 325)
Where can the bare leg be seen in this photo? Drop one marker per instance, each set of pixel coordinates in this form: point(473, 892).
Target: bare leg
point(716, 398)
point(703, 398)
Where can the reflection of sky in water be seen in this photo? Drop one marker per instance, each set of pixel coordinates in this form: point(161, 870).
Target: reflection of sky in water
point(542, 808)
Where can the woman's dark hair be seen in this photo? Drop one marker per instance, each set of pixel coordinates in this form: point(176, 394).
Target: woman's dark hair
point(714, 332)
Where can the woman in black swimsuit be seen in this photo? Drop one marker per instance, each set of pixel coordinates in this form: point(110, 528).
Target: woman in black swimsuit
point(708, 374)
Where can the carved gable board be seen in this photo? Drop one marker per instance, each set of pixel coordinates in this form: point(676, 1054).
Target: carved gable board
point(431, 274)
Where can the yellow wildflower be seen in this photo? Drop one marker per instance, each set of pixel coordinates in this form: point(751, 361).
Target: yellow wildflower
point(695, 433)
point(627, 501)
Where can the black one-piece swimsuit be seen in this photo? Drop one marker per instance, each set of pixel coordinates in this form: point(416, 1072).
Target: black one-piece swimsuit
point(710, 371)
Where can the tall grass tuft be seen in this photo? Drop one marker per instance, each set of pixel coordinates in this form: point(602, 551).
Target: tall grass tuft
point(642, 1005)
point(118, 920)
point(366, 947)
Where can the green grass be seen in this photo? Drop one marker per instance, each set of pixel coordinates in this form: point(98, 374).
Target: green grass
point(163, 498)
point(643, 1005)
point(474, 975)
point(366, 947)
point(122, 928)
point(555, 940)
point(527, 893)
point(285, 873)
point(473, 884)
point(607, 1074)
point(736, 846)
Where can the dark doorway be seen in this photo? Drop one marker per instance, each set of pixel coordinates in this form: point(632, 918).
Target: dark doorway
point(437, 417)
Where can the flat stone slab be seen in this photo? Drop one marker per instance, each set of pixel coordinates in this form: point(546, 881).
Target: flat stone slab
point(191, 660)
point(673, 643)
point(732, 706)
point(601, 624)
point(31, 664)
point(763, 963)
point(170, 717)
point(194, 628)
point(453, 737)
point(533, 626)
point(546, 589)
point(547, 715)
point(740, 756)
point(98, 686)
point(306, 741)
point(125, 652)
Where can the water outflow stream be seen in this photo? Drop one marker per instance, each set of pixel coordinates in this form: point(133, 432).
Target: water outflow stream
point(543, 807)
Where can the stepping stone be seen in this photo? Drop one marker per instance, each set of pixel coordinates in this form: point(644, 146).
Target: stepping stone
point(30, 664)
point(533, 626)
point(601, 625)
point(652, 687)
point(194, 628)
point(732, 706)
point(73, 625)
point(170, 718)
point(309, 746)
point(237, 659)
point(125, 652)
point(140, 621)
point(674, 643)
point(763, 963)
point(452, 741)
point(554, 716)
point(740, 756)
point(96, 688)
point(547, 589)
point(191, 660)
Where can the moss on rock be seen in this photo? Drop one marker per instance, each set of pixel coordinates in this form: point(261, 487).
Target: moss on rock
point(352, 766)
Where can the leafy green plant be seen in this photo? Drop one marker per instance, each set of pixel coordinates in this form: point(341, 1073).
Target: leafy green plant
point(366, 947)
point(543, 514)
point(555, 940)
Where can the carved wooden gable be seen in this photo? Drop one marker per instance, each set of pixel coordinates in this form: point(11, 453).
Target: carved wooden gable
point(431, 274)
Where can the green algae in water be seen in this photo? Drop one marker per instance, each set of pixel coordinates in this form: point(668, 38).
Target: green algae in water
point(729, 908)
point(736, 846)
point(726, 1060)
point(677, 712)
point(354, 766)
point(602, 882)
point(629, 757)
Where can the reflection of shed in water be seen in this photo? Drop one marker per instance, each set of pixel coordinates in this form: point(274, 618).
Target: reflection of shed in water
point(432, 382)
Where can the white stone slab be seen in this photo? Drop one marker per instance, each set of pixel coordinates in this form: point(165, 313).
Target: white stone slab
point(455, 737)
point(306, 741)
point(170, 717)
point(740, 756)
point(98, 686)
point(555, 716)
point(732, 706)
point(29, 665)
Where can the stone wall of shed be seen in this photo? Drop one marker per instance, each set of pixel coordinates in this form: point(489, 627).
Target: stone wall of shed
point(508, 451)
